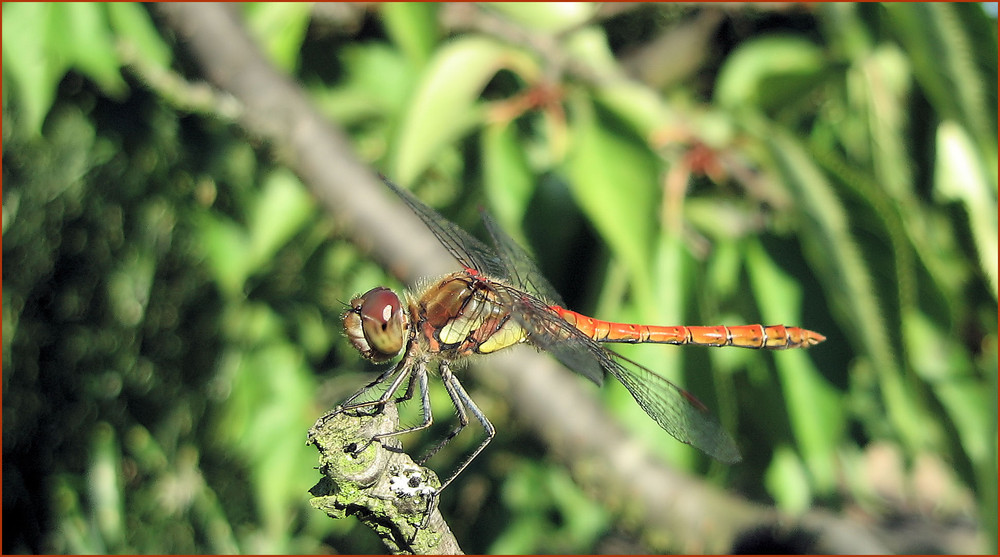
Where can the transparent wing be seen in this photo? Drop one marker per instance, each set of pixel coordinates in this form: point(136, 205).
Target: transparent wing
point(677, 411)
point(549, 332)
point(525, 274)
point(470, 252)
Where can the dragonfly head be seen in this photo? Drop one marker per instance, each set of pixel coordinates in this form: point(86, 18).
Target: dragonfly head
point(376, 324)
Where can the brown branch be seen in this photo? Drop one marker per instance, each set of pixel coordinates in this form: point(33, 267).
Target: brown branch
point(378, 483)
point(277, 111)
point(601, 455)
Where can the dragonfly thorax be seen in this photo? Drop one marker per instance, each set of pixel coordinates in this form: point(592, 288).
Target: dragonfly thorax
point(461, 315)
point(376, 324)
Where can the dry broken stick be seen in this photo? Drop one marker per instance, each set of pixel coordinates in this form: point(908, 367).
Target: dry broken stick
point(378, 483)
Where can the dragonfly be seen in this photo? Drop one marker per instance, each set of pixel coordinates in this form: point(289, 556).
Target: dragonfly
point(499, 299)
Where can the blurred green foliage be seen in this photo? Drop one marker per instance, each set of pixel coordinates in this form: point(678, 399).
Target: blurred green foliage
point(171, 297)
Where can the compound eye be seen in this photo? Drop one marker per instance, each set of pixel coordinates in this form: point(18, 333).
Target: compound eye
point(382, 322)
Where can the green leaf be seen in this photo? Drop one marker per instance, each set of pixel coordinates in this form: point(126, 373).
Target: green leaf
point(769, 72)
point(836, 257)
point(283, 207)
point(379, 86)
point(227, 252)
point(280, 27)
point(129, 287)
point(589, 46)
point(614, 180)
point(723, 271)
point(670, 301)
point(813, 405)
point(552, 513)
point(444, 106)
point(959, 176)
point(412, 26)
point(887, 82)
point(947, 58)
point(944, 365)
point(107, 500)
point(640, 107)
point(77, 531)
point(30, 61)
point(550, 17)
point(135, 30)
point(506, 176)
point(788, 482)
point(86, 39)
point(271, 395)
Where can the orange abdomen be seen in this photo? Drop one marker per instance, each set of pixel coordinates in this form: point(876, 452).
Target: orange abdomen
point(772, 337)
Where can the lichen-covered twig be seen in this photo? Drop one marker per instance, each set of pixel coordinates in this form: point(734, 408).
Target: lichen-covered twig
point(378, 483)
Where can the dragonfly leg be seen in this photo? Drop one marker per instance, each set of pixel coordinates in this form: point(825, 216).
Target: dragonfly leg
point(461, 400)
point(419, 375)
point(463, 417)
point(403, 369)
point(409, 389)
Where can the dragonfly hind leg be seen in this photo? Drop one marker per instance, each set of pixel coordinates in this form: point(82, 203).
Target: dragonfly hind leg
point(462, 401)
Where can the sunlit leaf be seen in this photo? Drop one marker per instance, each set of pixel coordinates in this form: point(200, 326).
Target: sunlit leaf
point(280, 27)
point(105, 482)
point(378, 85)
point(444, 105)
point(227, 251)
point(413, 27)
point(945, 55)
point(835, 255)
point(30, 60)
point(506, 176)
point(769, 72)
point(271, 392)
point(87, 42)
point(279, 213)
point(549, 17)
point(614, 179)
point(812, 404)
point(945, 366)
point(959, 176)
point(133, 26)
point(788, 481)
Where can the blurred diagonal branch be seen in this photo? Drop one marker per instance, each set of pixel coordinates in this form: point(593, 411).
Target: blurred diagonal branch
point(698, 517)
point(277, 111)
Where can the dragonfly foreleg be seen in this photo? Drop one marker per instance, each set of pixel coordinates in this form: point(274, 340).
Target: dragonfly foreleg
point(347, 404)
point(418, 376)
point(409, 389)
point(403, 371)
